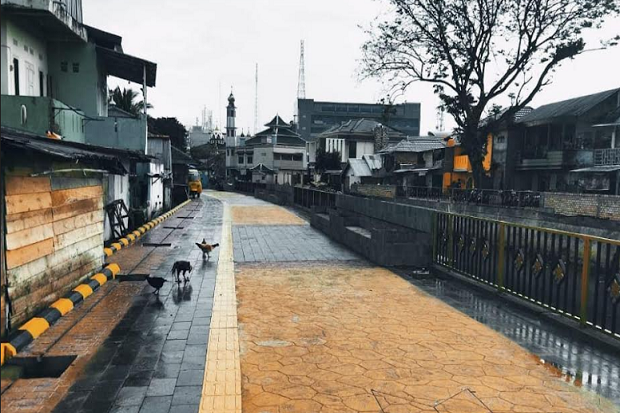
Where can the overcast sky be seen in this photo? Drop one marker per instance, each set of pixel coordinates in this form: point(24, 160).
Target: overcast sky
point(205, 47)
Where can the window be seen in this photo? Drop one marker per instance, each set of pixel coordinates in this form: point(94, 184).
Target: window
point(250, 159)
point(64, 66)
point(501, 139)
point(352, 150)
point(16, 76)
point(24, 114)
point(15, 42)
point(49, 86)
point(76, 67)
point(41, 84)
point(240, 158)
point(298, 157)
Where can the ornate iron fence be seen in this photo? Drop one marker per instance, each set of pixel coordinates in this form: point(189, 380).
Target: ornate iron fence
point(308, 198)
point(572, 274)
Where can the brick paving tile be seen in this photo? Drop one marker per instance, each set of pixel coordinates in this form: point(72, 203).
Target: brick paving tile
point(336, 337)
point(264, 215)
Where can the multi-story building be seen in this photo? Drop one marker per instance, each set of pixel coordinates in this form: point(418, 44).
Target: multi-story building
point(274, 155)
point(571, 145)
point(358, 137)
point(315, 117)
point(54, 71)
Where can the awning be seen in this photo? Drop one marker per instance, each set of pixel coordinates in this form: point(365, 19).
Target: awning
point(128, 67)
point(262, 169)
point(107, 158)
point(599, 169)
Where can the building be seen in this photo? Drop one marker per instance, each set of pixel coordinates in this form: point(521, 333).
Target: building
point(54, 73)
point(274, 155)
point(415, 162)
point(355, 138)
point(570, 146)
point(54, 222)
point(316, 117)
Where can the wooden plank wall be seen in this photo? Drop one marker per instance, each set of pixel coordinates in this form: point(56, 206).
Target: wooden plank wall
point(54, 238)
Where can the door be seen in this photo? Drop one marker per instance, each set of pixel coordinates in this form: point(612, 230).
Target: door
point(30, 78)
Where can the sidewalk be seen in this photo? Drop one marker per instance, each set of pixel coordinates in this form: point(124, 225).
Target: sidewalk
point(325, 334)
point(136, 352)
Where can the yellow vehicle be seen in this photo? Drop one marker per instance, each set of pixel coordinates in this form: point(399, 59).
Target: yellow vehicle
point(194, 183)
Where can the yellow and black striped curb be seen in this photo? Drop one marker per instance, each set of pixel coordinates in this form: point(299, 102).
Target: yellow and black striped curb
point(135, 235)
point(38, 324)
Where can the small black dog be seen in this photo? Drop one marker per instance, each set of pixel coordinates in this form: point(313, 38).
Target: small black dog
point(182, 267)
point(156, 283)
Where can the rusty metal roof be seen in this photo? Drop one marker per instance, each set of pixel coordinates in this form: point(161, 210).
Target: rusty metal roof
point(75, 151)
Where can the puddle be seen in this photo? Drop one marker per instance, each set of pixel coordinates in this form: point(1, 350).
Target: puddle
point(36, 367)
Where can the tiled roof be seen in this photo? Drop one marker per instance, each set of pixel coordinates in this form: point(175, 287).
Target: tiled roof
point(357, 127)
point(278, 121)
point(417, 144)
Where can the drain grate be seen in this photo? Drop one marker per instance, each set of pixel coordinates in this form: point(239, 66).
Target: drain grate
point(132, 277)
point(155, 244)
point(173, 227)
point(36, 367)
point(185, 217)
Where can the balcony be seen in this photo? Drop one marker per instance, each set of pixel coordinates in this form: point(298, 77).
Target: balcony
point(558, 159)
point(118, 132)
point(55, 18)
point(607, 157)
point(462, 164)
point(38, 114)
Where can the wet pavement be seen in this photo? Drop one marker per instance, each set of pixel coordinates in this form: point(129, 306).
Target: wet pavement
point(137, 352)
point(329, 332)
point(316, 329)
point(574, 359)
point(154, 359)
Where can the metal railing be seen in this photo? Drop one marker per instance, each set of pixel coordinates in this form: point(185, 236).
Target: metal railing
point(572, 274)
point(309, 197)
point(248, 187)
point(507, 198)
point(607, 156)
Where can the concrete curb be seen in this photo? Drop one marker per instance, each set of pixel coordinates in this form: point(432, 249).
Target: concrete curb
point(41, 322)
point(132, 237)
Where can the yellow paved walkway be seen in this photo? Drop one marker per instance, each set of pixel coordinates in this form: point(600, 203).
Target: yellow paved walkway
point(350, 337)
point(221, 391)
point(340, 338)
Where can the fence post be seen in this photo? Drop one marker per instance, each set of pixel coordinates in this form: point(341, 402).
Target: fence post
point(585, 275)
point(450, 240)
point(501, 260)
point(434, 234)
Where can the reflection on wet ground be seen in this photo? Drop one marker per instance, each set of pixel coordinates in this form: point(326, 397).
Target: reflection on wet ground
point(571, 357)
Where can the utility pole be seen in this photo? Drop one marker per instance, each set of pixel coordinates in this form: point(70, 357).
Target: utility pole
point(256, 101)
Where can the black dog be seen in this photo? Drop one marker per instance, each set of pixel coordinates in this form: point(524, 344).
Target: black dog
point(156, 283)
point(182, 267)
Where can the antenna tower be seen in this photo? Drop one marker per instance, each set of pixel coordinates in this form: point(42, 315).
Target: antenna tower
point(440, 114)
point(255, 101)
point(301, 84)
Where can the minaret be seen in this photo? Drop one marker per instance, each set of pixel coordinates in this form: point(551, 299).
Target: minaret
point(231, 113)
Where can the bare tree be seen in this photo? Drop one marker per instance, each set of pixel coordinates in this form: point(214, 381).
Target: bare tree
point(475, 51)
